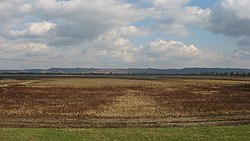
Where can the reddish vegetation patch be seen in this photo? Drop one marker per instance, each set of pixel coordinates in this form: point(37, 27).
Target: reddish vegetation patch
point(204, 100)
point(53, 101)
point(158, 100)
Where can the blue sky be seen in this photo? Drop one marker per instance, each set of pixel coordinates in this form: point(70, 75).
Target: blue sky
point(202, 3)
point(124, 33)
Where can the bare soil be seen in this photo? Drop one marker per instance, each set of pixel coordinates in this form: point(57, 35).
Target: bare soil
point(124, 101)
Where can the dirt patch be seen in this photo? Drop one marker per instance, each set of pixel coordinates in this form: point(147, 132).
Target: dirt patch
point(21, 101)
point(31, 122)
point(123, 103)
point(133, 104)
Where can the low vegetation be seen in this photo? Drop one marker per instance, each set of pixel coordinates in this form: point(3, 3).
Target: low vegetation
point(231, 133)
point(134, 101)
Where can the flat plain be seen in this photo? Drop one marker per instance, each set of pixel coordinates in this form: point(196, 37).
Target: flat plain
point(123, 101)
point(227, 133)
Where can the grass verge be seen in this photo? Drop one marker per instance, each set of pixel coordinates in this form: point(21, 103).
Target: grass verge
point(127, 134)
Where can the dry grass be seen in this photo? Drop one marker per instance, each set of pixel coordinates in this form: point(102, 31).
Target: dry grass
point(105, 98)
point(87, 82)
point(132, 104)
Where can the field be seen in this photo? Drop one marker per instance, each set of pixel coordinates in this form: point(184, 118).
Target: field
point(123, 101)
point(232, 133)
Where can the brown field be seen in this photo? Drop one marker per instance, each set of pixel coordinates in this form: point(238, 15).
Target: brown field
point(123, 101)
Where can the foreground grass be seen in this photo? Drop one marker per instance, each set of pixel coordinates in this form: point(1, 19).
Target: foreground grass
point(157, 134)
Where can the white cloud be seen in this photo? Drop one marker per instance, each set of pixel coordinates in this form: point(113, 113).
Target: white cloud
point(172, 49)
point(193, 15)
point(132, 31)
point(113, 46)
point(167, 4)
point(35, 29)
point(243, 53)
point(231, 17)
point(178, 54)
point(169, 27)
point(88, 19)
point(72, 22)
point(10, 8)
point(239, 7)
point(108, 50)
point(97, 33)
point(245, 42)
point(31, 47)
point(9, 50)
point(176, 21)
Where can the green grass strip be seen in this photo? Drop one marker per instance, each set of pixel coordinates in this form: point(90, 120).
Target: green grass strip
point(229, 133)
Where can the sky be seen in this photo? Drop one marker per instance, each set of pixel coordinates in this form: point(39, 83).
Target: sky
point(124, 33)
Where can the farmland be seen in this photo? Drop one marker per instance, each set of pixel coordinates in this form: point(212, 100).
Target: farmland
point(123, 101)
point(228, 133)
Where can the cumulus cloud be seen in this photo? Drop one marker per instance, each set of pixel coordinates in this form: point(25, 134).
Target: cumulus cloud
point(10, 8)
point(67, 26)
point(193, 15)
point(167, 4)
point(231, 17)
point(72, 22)
point(169, 27)
point(98, 33)
point(178, 54)
point(109, 50)
point(35, 29)
point(12, 12)
point(113, 46)
point(244, 42)
point(172, 49)
point(88, 19)
point(174, 17)
point(243, 53)
point(21, 50)
point(132, 31)
point(31, 47)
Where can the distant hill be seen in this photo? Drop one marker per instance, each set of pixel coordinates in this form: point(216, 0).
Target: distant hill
point(184, 71)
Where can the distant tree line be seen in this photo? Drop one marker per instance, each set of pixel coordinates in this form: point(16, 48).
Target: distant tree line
point(110, 73)
point(223, 74)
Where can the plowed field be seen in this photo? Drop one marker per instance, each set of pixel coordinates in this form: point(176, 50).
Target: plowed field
point(123, 101)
